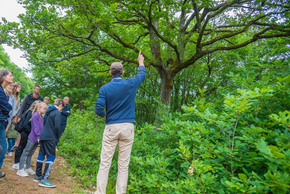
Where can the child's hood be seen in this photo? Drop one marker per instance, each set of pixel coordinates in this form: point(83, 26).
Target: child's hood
point(50, 109)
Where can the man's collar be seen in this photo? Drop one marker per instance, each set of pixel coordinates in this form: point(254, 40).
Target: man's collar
point(116, 77)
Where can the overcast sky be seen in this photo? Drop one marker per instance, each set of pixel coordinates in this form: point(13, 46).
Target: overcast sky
point(10, 9)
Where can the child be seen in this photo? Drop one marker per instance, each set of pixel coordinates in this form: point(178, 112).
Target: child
point(11, 135)
point(24, 134)
point(49, 138)
point(33, 140)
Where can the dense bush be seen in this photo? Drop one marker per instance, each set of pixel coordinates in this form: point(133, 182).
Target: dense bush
point(237, 143)
point(81, 145)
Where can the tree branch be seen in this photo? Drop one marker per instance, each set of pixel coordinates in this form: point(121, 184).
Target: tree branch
point(126, 45)
point(68, 57)
point(231, 34)
point(255, 38)
point(149, 23)
point(145, 34)
point(198, 23)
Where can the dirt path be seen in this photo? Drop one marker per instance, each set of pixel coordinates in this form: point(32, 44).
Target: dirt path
point(15, 184)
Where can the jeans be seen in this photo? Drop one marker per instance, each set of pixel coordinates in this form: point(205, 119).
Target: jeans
point(3, 142)
point(11, 143)
point(28, 151)
point(1, 149)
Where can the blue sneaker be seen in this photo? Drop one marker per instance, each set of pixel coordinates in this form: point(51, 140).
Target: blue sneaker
point(46, 183)
point(37, 178)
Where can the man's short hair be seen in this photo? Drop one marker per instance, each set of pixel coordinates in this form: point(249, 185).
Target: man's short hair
point(46, 98)
point(58, 102)
point(116, 68)
point(36, 86)
point(65, 97)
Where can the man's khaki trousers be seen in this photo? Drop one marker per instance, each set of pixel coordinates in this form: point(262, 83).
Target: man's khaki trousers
point(122, 134)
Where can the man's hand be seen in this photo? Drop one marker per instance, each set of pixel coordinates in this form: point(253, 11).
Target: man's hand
point(67, 111)
point(141, 59)
point(38, 141)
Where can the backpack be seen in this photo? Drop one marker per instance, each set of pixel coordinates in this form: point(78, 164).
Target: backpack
point(19, 126)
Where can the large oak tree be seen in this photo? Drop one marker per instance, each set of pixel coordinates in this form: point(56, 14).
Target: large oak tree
point(173, 35)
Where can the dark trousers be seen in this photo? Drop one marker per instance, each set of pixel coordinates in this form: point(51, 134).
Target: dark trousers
point(21, 147)
point(47, 148)
point(63, 126)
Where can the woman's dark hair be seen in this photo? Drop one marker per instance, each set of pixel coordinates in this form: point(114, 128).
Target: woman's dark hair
point(3, 73)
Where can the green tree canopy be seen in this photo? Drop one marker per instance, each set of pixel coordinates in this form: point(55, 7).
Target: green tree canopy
point(173, 35)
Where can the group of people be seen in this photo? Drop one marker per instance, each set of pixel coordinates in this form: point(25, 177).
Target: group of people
point(40, 123)
point(28, 124)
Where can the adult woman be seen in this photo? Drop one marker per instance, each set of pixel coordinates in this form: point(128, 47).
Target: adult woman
point(6, 78)
point(9, 90)
point(16, 108)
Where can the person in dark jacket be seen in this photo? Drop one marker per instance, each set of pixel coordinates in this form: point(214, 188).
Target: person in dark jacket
point(6, 78)
point(65, 113)
point(49, 138)
point(29, 99)
point(24, 134)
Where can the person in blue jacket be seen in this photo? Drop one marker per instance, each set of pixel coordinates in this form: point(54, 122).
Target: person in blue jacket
point(118, 96)
point(65, 113)
point(6, 78)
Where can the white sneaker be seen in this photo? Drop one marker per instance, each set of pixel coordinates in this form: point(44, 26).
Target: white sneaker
point(22, 173)
point(16, 166)
point(30, 171)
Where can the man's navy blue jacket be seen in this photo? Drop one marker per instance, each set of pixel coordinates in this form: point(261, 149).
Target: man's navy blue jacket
point(118, 96)
point(65, 114)
point(5, 107)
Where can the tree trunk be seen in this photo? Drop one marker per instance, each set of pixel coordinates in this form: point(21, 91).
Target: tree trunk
point(166, 86)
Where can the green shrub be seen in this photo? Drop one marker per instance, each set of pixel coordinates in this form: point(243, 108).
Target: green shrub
point(236, 144)
point(81, 145)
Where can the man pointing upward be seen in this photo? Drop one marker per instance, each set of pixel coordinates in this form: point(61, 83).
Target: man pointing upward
point(118, 96)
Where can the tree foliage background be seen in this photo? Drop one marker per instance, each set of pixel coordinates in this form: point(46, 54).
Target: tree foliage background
point(19, 75)
point(84, 37)
point(222, 68)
